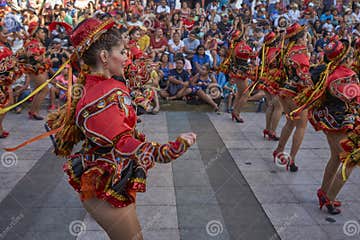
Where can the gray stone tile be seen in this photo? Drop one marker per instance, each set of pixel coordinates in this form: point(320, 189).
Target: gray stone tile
point(18, 166)
point(336, 232)
point(9, 179)
point(157, 196)
point(195, 195)
point(321, 216)
point(155, 217)
point(160, 179)
point(274, 194)
point(93, 235)
point(161, 234)
point(262, 178)
point(300, 177)
point(217, 233)
point(289, 214)
point(287, 232)
point(4, 192)
point(198, 216)
point(191, 179)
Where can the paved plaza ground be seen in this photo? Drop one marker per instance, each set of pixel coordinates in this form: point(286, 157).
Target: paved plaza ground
point(225, 187)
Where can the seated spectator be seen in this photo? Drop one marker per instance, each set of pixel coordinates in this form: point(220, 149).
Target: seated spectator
point(224, 26)
point(136, 8)
point(158, 43)
point(187, 66)
point(190, 45)
point(213, 6)
point(201, 27)
point(164, 70)
point(327, 15)
point(163, 8)
point(214, 17)
point(144, 40)
point(57, 54)
point(294, 13)
point(218, 58)
point(199, 11)
point(184, 10)
point(176, 45)
point(176, 24)
point(327, 26)
point(134, 21)
point(230, 90)
point(213, 30)
point(178, 82)
point(200, 59)
point(200, 86)
point(21, 89)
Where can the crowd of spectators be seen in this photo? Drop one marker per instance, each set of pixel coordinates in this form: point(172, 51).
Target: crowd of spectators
point(187, 40)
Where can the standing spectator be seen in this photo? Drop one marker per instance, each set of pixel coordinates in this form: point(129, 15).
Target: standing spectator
point(190, 45)
point(178, 82)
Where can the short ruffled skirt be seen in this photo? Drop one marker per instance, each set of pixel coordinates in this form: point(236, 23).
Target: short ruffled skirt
point(333, 118)
point(115, 181)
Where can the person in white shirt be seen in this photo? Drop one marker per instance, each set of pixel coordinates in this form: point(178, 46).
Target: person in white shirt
point(294, 13)
point(163, 8)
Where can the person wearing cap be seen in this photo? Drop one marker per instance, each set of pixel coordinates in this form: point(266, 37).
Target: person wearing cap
point(112, 166)
point(270, 72)
point(9, 73)
point(295, 77)
point(34, 61)
point(333, 105)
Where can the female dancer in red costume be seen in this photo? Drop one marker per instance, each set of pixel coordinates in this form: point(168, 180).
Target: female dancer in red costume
point(334, 105)
point(36, 65)
point(296, 66)
point(270, 74)
point(9, 72)
point(240, 69)
point(113, 163)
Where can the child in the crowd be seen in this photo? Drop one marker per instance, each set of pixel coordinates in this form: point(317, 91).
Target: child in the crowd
point(230, 90)
point(59, 89)
point(21, 89)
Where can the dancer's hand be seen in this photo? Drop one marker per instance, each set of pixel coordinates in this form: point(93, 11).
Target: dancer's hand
point(190, 138)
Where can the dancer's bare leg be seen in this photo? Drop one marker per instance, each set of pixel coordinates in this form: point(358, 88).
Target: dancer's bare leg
point(334, 162)
point(287, 129)
point(269, 111)
point(2, 116)
point(298, 137)
point(276, 114)
point(240, 97)
point(39, 97)
point(339, 182)
point(119, 223)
